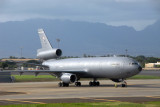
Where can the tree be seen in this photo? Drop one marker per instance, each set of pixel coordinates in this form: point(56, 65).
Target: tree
point(84, 55)
point(12, 57)
point(3, 65)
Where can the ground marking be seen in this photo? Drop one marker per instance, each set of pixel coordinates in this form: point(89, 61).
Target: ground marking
point(153, 96)
point(25, 101)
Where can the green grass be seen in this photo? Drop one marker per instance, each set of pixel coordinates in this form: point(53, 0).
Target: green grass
point(155, 103)
point(101, 104)
point(144, 77)
point(32, 78)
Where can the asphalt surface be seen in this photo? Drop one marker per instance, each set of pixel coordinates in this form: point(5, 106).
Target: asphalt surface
point(138, 91)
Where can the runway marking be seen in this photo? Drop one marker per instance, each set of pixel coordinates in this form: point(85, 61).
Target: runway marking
point(100, 99)
point(10, 100)
point(153, 96)
point(114, 100)
point(25, 101)
point(107, 100)
point(85, 98)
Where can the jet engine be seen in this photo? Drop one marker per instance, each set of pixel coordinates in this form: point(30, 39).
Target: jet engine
point(68, 78)
point(49, 54)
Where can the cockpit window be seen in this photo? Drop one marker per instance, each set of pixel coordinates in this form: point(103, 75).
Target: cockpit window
point(134, 63)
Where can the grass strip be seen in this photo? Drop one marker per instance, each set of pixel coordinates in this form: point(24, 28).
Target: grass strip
point(32, 78)
point(144, 77)
point(100, 104)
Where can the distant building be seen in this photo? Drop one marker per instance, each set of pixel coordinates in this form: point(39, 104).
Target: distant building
point(152, 65)
point(20, 64)
point(18, 60)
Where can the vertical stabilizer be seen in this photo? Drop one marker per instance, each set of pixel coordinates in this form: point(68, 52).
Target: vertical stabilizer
point(47, 52)
point(44, 40)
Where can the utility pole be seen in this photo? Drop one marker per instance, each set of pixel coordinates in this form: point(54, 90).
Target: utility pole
point(58, 40)
point(21, 51)
point(126, 52)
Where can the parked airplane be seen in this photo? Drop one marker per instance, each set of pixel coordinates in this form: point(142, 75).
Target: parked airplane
point(71, 70)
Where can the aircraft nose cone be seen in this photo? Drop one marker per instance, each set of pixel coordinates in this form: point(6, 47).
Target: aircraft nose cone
point(140, 68)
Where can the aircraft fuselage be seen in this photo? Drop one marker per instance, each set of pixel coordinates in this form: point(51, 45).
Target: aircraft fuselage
point(98, 67)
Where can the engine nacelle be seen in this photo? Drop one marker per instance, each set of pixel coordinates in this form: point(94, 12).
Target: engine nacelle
point(49, 54)
point(68, 78)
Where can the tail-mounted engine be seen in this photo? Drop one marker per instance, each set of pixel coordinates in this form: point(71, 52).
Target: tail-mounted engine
point(49, 54)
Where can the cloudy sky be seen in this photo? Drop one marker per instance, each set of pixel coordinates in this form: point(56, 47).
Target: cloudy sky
point(135, 13)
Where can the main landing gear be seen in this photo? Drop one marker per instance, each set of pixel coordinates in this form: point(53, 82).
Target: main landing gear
point(94, 83)
point(78, 83)
point(62, 84)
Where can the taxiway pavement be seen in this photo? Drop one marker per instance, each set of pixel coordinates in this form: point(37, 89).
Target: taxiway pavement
point(49, 92)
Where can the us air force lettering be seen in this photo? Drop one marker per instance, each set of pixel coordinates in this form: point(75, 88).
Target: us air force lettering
point(71, 70)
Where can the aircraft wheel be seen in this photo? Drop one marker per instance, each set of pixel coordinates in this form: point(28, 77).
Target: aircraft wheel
point(97, 83)
point(65, 84)
point(90, 83)
point(60, 84)
point(123, 85)
point(94, 83)
point(77, 83)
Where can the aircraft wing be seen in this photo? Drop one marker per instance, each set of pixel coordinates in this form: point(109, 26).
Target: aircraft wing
point(56, 73)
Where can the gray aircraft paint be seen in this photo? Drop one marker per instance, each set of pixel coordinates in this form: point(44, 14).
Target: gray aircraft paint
point(71, 70)
point(97, 67)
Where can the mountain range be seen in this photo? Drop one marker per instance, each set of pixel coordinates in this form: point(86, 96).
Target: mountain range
point(78, 38)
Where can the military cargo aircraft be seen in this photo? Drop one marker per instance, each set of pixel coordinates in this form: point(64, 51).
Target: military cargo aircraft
point(72, 69)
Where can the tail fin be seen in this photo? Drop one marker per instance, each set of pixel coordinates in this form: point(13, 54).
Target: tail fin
point(44, 40)
point(47, 52)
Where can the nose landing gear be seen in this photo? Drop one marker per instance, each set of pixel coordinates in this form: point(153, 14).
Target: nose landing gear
point(124, 84)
